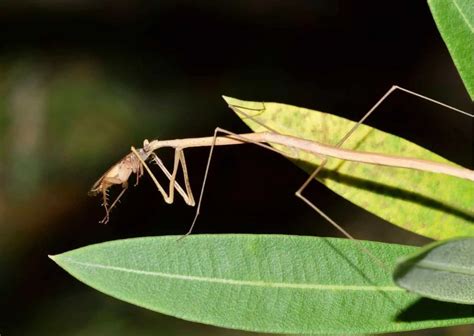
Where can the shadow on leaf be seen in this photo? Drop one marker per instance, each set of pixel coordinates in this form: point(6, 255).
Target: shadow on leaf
point(389, 190)
point(432, 310)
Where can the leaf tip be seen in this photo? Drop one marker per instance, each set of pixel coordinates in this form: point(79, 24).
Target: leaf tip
point(228, 99)
point(56, 258)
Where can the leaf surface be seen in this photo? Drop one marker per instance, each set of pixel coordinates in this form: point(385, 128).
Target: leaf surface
point(264, 283)
point(442, 271)
point(455, 21)
point(433, 205)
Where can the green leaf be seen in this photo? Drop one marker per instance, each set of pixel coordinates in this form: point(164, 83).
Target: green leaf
point(455, 21)
point(264, 283)
point(433, 205)
point(442, 271)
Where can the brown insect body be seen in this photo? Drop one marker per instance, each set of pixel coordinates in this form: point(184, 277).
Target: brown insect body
point(134, 163)
point(118, 174)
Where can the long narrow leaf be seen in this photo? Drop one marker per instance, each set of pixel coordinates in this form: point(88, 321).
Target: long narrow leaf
point(432, 205)
point(442, 271)
point(265, 283)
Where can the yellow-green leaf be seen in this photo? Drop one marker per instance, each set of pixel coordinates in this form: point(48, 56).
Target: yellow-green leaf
point(433, 205)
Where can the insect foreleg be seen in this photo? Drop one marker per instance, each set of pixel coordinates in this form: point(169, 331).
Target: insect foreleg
point(158, 185)
point(160, 164)
point(190, 198)
point(169, 199)
point(178, 158)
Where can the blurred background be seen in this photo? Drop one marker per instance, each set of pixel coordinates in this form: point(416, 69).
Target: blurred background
point(81, 81)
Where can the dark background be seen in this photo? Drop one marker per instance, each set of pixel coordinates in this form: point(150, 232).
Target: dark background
point(82, 81)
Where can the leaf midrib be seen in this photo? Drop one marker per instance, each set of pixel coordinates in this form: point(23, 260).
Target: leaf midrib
point(436, 266)
point(233, 282)
point(463, 16)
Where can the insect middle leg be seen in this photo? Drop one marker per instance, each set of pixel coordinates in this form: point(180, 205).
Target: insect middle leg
point(208, 165)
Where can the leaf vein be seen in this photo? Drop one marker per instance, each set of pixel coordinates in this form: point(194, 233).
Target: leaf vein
point(436, 266)
point(253, 283)
point(463, 16)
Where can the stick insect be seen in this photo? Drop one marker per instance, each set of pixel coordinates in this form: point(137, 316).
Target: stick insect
point(263, 139)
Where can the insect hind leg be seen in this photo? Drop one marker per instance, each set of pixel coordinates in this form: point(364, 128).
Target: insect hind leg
point(348, 134)
point(299, 192)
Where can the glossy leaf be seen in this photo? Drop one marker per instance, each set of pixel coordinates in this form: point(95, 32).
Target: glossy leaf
point(455, 21)
point(265, 283)
point(442, 271)
point(433, 205)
